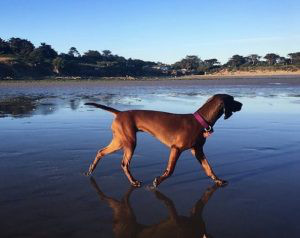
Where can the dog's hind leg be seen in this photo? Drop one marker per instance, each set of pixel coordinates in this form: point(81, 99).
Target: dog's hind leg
point(114, 145)
point(127, 156)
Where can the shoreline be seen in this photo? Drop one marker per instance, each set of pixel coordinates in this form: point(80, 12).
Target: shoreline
point(292, 80)
point(246, 74)
point(215, 76)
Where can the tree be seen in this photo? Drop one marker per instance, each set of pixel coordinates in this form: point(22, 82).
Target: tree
point(253, 59)
point(106, 53)
point(190, 62)
point(4, 47)
point(93, 55)
point(211, 62)
point(73, 52)
point(271, 58)
point(283, 60)
point(21, 47)
point(43, 54)
point(236, 61)
point(295, 58)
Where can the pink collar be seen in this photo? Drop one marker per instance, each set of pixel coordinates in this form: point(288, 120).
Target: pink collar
point(200, 119)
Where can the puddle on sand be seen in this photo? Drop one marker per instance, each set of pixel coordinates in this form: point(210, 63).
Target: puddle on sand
point(48, 138)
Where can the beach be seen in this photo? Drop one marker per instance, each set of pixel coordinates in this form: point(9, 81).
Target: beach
point(49, 138)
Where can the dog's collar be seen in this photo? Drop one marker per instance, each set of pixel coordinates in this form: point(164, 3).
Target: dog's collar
point(200, 119)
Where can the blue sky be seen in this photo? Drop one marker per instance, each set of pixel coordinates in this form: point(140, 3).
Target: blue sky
point(164, 30)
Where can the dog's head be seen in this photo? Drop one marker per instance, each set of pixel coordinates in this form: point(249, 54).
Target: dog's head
point(229, 105)
point(226, 104)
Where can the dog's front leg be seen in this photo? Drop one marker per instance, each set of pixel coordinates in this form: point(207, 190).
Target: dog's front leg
point(174, 155)
point(200, 156)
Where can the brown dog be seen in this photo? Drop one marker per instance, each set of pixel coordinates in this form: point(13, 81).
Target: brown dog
point(178, 131)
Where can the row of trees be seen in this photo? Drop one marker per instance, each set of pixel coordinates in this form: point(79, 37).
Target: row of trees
point(25, 50)
point(46, 61)
point(194, 64)
point(269, 59)
point(26, 59)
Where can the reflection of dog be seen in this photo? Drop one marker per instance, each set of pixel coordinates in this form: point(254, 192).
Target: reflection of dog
point(178, 131)
point(126, 225)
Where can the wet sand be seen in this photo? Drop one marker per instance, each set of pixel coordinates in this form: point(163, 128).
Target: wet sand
point(48, 138)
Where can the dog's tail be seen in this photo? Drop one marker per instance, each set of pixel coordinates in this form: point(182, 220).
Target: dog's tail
point(110, 109)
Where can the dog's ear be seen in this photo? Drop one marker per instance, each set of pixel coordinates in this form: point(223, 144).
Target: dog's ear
point(227, 112)
point(227, 107)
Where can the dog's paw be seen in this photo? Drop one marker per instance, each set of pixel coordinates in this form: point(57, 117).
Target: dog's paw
point(88, 173)
point(155, 183)
point(220, 182)
point(136, 184)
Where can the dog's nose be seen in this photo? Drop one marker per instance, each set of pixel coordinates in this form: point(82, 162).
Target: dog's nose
point(237, 106)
